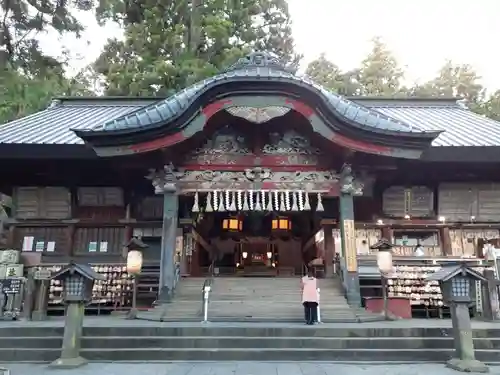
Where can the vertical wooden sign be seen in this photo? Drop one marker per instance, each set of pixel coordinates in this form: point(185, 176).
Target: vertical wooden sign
point(350, 245)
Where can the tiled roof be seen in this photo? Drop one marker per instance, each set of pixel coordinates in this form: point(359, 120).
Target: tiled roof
point(170, 108)
point(461, 126)
point(53, 125)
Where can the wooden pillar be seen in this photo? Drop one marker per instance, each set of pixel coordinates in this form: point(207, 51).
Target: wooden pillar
point(70, 234)
point(387, 233)
point(195, 261)
point(168, 243)
point(329, 249)
point(446, 247)
point(11, 237)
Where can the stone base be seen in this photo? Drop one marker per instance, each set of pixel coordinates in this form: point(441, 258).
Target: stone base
point(353, 296)
point(164, 296)
point(38, 316)
point(132, 314)
point(68, 363)
point(464, 365)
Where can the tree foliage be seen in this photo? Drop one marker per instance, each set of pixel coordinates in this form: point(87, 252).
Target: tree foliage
point(22, 20)
point(29, 78)
point(170, 44)
point(329, 75)
point(379, 74)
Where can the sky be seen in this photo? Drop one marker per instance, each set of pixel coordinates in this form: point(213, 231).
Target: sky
point(422, 34)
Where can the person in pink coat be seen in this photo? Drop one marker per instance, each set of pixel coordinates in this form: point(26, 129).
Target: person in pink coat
point(310, 301)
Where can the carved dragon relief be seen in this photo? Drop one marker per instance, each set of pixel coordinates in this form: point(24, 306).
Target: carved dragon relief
point(224, 148)
point(291, 148)
point(170, 179)
point(290, 142)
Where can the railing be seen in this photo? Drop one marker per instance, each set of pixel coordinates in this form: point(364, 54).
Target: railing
point(304, 269)
point(205, 291)
point(177, 275)
point(207, 287)
point(319, 305)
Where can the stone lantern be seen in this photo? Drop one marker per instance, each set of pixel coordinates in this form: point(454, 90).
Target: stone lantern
point(458, 286)
point(134, 247)
point(78, 282)
point(385, 267)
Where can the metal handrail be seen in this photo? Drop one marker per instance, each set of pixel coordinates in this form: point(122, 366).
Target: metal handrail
point(205, 295)
point(205, 291)
point(177, 275)
point(319, 305)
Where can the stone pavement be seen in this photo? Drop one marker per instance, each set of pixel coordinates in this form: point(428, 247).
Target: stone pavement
point(240, 368)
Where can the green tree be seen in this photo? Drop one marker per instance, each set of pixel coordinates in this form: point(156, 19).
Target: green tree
point(21, 95)
point(380, 74)
point(327, 74)
point(22, 20)
point(453, 80)
point(170, 44)
point(491, 106)
point(29, 78)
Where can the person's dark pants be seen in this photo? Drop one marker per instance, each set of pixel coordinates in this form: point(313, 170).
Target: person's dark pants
point(311, 312)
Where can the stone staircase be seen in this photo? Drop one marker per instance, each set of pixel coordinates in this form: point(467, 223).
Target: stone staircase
point(186, 306)
point(274, 299)
point(106, 340)
point(255, 299)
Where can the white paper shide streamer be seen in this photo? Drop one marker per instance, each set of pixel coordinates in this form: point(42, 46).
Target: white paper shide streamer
point(196, 205)
point(320, 207)
point(208, 207)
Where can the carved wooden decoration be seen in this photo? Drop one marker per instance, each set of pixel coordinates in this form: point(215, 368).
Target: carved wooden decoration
point(289, 148)
point(250, 179)
point(227, 149)
point(258, 115)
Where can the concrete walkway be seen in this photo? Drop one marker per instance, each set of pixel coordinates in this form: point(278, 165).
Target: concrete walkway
point(240, 368)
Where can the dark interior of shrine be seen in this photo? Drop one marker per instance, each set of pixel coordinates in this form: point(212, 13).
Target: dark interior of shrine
point(257, 243)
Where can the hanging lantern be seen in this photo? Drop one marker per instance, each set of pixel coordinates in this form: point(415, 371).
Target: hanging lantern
point(269, 254)
point(233, 224)
point(134, 262)
point(281, 223)
point(244, 255)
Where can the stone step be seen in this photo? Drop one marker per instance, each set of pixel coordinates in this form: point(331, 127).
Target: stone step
point(203, 342)
point(248, 354)
point(124, 328)
point(256, 298)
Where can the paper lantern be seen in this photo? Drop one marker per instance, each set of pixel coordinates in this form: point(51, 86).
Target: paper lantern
point(134, 262)
point(233, 224)
point(281, 223)
point(384, 262)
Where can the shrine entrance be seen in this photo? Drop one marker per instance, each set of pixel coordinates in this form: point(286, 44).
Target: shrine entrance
point(258, 139)
point(257, 244)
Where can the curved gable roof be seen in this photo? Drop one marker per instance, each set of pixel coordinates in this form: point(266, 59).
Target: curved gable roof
point(259, 68)
point(258, 80)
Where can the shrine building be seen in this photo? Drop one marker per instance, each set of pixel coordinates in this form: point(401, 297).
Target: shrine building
point(254, 173)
